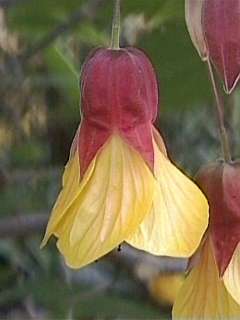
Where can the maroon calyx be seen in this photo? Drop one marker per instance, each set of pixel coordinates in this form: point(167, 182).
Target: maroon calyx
point(221, 184)
point(119, 93)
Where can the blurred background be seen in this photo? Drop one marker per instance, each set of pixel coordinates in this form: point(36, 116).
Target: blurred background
point(42, 47)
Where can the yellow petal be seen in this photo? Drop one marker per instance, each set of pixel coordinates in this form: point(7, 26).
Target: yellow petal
point(70, 190)
point(179, 216)
point(231, 276)
point(203, 294)
point(106, 207)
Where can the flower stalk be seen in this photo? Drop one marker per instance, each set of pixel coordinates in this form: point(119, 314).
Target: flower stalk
point(220, 114)
point(116, 26)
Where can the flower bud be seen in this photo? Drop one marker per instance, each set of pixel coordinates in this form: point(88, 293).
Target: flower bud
point(193, 15)
point(221, 26)
point(221, 184)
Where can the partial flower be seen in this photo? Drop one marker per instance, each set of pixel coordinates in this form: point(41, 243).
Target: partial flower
point(221, 24)
point(204, 295)
point(221, 183)
point(119, 184)
point(212, 288)
point(214, 26)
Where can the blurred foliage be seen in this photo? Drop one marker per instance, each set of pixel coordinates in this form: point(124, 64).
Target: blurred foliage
point(39, 114)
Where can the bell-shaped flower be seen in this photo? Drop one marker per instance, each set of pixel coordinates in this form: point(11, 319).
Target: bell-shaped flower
point(214, 26)
point(119, 184)
point(212, 288)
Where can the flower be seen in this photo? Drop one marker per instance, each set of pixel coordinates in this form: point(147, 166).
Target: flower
point(212, 288)
point(214, 26)
point(119, 184)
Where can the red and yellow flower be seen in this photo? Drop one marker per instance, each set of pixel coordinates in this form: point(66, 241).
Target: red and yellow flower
point(119, 184)
point(212, 288)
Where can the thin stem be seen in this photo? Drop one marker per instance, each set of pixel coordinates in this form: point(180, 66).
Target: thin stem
point(116, 25)
point(220, 112)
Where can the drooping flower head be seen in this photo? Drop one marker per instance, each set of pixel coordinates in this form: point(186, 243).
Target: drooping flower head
point(212, 288)
point(214, 26)
point(119, 184)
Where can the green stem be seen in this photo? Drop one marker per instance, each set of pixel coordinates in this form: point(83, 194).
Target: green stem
point(116, 26)
point(220, 112)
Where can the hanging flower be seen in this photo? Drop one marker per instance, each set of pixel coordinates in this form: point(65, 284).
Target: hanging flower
point(119, 184)
point(214, 26)
point(212, 288)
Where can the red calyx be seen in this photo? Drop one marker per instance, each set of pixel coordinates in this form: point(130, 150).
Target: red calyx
point(119, 92)
point(221, 185)
point(221, 26)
